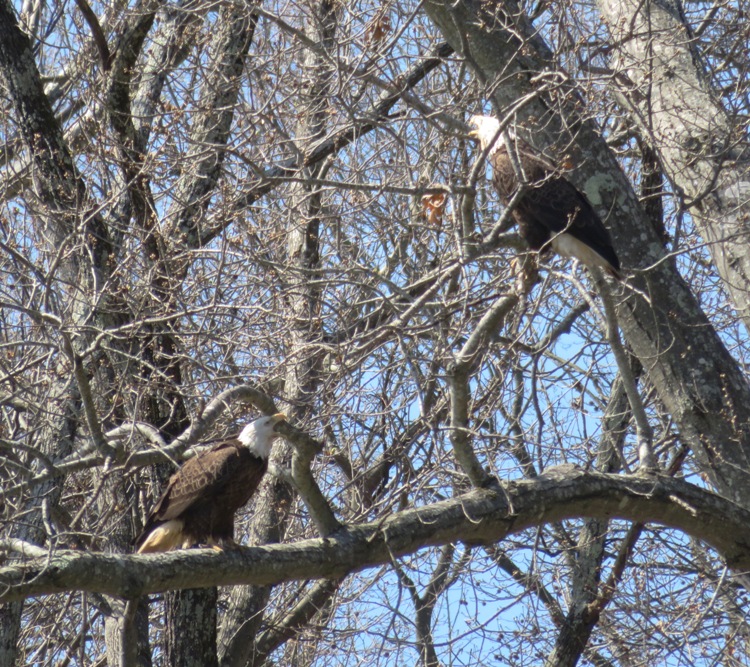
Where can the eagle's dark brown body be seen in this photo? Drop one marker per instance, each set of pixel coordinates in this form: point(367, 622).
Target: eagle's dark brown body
point(199, 502)
point(552, 212)
point(206, 492)
point(550, 206)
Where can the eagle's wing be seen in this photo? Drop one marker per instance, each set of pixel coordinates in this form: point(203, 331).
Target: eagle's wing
point(199, 480)
point(552, 205)
point(559, 206)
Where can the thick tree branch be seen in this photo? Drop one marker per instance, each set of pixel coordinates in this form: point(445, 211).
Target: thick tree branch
point(305, 449)
point(662, 81)
point(481, 516)
point(96, 32)
point(213, 124)
point(644, 432)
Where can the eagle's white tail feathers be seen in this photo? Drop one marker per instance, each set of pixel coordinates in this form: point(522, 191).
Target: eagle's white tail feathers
point(569, 246)
point(163, 538)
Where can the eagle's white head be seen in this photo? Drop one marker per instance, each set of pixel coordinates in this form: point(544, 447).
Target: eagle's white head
point(258, 436)
point(487, 130)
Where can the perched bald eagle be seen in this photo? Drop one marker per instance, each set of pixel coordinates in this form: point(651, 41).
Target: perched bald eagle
point(552, 212)
point(200, 500)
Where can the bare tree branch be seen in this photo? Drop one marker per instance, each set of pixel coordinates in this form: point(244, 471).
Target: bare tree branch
point(478, 517)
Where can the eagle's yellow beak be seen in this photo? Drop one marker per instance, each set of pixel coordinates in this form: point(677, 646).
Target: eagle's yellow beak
point(474, 134)
point(277, 419)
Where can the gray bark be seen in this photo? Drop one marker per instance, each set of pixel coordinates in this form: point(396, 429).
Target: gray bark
point(293, 620)
point(245, 613)
point(126, 634)
point(579, 622)
point(60, 198)
point(126, 626)
point(663, 83)
point(170, 45)
point(478, 517)
point(10, 627)
point(211, 131)
point(589, 554)
point(424, 604)
point(188, 642)
point(190, 625)
point(432, 282)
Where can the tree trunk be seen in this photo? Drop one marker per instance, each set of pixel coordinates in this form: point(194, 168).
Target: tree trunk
point(61, 197)
point(661, 79)
point(190, 625)
point(186, 643)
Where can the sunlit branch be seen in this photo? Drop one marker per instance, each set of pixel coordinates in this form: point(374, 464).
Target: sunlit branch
point(96, 32)
point(305, 449)
point(17, 546)
point(87, 398)
point(481, 516)
point(644, 432)
point(459, 374)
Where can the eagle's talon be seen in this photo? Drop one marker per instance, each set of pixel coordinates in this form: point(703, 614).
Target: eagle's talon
point(225, 545)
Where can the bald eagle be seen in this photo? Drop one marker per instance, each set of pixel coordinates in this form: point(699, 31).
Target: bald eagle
point(552, 212)
point(200, 500)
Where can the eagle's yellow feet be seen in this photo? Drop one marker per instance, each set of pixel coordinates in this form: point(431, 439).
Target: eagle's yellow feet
point(223, 545)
